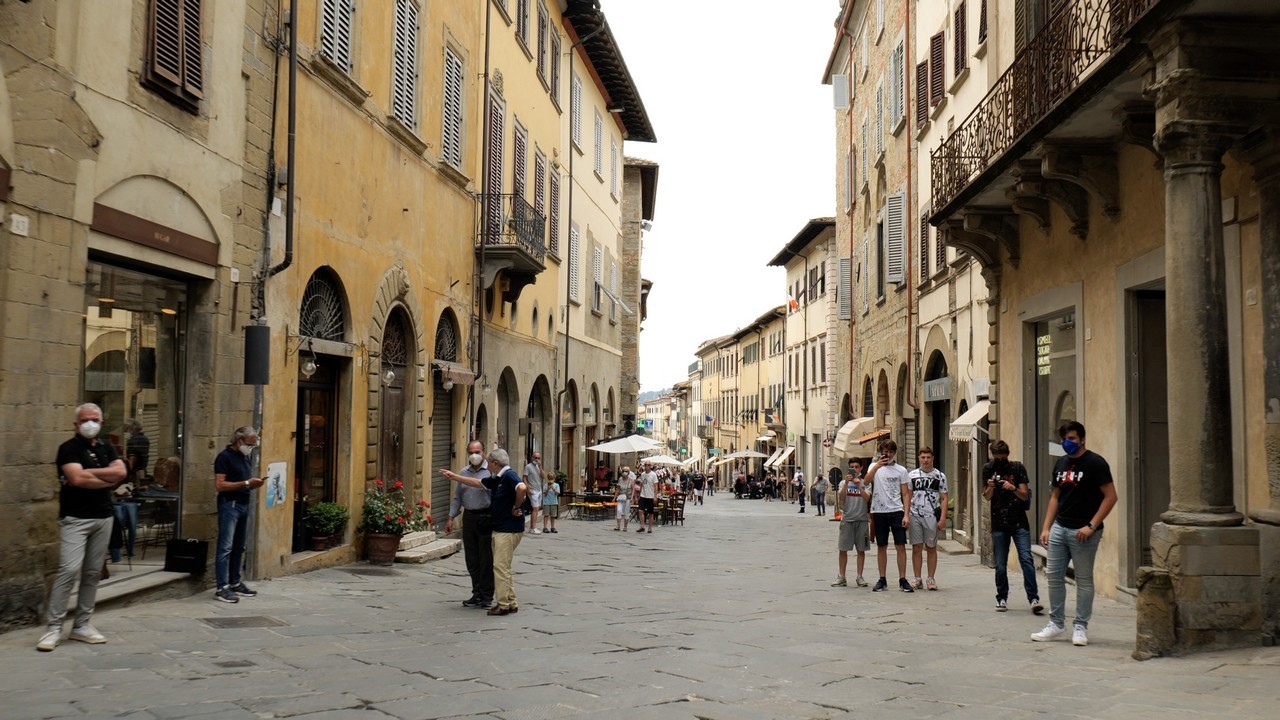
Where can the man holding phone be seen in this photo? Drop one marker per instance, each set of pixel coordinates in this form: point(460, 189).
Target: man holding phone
point(890, 495)
point(1007, 487)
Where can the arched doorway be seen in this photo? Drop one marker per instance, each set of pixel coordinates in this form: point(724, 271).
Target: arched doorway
point(538, 416)
point(508, 413)
point(322, 317)
point(442, 441)
point(395, 405)
point(481, 430)
point(591, 427)
point(938, 410)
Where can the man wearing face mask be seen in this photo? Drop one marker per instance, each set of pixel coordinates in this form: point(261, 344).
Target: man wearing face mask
point(233, 478)
point(477, 536)
point(88, 471)
point(1083, 495)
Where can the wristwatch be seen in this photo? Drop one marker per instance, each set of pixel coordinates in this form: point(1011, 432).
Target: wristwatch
point(1090, 526)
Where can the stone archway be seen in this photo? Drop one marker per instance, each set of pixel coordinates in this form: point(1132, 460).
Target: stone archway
point(396, 292)
point(446, 349)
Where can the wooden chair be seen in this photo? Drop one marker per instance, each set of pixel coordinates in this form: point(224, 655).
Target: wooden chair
point(675, 510)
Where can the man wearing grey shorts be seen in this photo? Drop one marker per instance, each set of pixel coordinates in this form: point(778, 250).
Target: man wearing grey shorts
point(928, 515)
point(855, 522)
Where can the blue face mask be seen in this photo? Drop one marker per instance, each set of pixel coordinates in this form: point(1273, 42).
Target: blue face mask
point(1070, 446)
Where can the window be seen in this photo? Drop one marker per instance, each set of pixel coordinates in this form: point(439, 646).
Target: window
point(451, 120)
point(599, 145)
point(866, 274)
point(982, 22)
point(553, 212)
point(844, 286)
point(880, 259)
point(880, 119)
point(865, 65)
point(898, 85)
point(941, 249)
point(575, 109)
point(961, 38)
point(895, 236)
point(848, 181)
point(542, 41)
point(540, 183)
point(575, 274)
point(937, 68)
point(924, 247)
point(522, 22)
point(613, 289)
point(813, 283)
point(822, 278)
point(519, 160)
point(555, 66)
point(175, 62)
point(597, 274)
point(493, 169)
point(404, 79)
point(823, 365)
point(336, 22)
point(879, 18)
point(613, 166)
point(865, 146)
point(922, 94)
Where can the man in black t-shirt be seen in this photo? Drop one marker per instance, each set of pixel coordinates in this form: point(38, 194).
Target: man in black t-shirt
point(1005, 484)
point(1083, 495)
point(88, 470)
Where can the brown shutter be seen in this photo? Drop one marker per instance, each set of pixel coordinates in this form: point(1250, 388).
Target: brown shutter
point(937, 67)
point(493, 171)
point(941, 249)
point(961, 38)
point(192, 49)
point(1020, 24)
point(924, 247)
point(166, 40)
point(982, 22)
point(922, 94)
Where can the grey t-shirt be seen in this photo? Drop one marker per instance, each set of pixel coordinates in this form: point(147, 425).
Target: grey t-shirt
point(533, 477)
point(855, 505)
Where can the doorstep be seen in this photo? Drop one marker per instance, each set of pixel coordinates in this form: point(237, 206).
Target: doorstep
point(151, 585)
point(953, 547)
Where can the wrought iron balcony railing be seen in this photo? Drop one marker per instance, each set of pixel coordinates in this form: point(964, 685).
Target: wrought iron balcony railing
point(508, 220)
point(1075, 41)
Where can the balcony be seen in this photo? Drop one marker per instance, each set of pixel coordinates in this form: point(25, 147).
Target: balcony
point(1081, 48)
point(512, 239)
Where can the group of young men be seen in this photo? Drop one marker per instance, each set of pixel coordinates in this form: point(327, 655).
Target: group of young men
point(912, 506)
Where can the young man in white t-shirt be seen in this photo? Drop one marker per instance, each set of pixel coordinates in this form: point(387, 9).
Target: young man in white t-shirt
point(928, 515)
point(890, 495)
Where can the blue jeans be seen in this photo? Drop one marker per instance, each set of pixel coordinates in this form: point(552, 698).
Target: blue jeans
point(1021, 538)
point(1063, 546)
point(127, 513)
point(232, 522)
point(820, 501)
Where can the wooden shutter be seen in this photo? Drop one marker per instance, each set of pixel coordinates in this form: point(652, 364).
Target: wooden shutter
point(405, 71)
point(175, 60)
point(451, 122)
point(540, 183)
point(848, 181)
point(940, 247)
point(575, 108)
point(166, 40)
point(336, 18)
point(519, 161)
point(553, 212)
point(1021, 24)
point(597, 276)
point(554, 61)
point(895, 240)
point(575, 273)
point(192, 56)
point(613, 165)
point(924, 247)
point(844, 284)
point(840, 92)
point(866, 176)
point(982, 22)
point(922, 94)
point(937, 67)
point(866, 273)
point(522, 21)
point(493, 169)
point(542, 41)
point(961, 37)
point(880, 118)
point(899, 66)
point(599, 144)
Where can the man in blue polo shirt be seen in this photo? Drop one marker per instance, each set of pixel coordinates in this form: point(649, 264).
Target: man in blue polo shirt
point(506, 520)
point(234, 478)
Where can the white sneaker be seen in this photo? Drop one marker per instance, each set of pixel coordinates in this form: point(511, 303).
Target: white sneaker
point(88, 634)
point(536, 531)
point(1050, 632)
point(1079, 637)
point(1002, 606)
point(49, 640)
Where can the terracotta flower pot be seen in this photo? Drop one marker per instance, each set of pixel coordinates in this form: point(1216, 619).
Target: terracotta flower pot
point(380, 548)
point(319, 542)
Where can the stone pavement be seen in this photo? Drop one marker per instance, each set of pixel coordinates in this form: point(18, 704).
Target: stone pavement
point(729, 617)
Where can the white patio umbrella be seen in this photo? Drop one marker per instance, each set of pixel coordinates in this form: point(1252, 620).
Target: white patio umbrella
point(660, 460)
point(628, 444)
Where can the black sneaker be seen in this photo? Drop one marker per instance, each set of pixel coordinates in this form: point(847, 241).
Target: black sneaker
point(471, 602)
point(881, 586)
point(226, 595)
point(905, 586)
point(243, 590)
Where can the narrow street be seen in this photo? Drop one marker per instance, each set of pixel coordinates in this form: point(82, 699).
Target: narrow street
point(730, 616)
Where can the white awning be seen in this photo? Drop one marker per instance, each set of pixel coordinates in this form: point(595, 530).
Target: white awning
point(773, 457)
point(966, 426)
point(767, 437)
point(783, 457)
point(849, 432)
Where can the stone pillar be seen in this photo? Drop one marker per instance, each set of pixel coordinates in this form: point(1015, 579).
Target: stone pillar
point(1200, 550)
point(1262, 151)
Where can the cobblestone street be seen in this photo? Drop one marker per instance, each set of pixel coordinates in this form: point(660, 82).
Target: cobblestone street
point(730, 616)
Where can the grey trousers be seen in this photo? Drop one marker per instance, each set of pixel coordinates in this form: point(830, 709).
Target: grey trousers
point(84, 550)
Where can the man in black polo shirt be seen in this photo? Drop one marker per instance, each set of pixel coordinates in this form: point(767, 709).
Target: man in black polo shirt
point(88, 471)
point(234, 478)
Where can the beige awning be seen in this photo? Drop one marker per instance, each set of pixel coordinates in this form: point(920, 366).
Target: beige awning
point(966, 426)
point(452, 371)
point(773, 457)
point(783, 457)
point(844, 443)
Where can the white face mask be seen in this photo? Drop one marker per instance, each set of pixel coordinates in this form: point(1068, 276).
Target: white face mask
point(475, 460)
point(246, 450)
point(89, 429)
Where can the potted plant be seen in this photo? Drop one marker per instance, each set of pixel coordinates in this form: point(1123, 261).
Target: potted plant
point(387, 515)
point(323, 520)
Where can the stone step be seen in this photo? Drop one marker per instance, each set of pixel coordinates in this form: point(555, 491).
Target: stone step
point(417, 539)
point(433, 551)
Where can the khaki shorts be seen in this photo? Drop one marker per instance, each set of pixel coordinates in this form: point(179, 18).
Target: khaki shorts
point(854, 535)
point(923, 531)
point(551, 511)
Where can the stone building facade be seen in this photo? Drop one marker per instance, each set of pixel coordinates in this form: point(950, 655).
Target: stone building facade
point(134, 187)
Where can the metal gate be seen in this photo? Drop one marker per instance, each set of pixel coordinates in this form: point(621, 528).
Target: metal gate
point(441, 450)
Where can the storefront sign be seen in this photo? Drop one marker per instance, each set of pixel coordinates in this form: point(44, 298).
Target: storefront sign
point(937, 390)
point(120, 224)
point(1044, 346)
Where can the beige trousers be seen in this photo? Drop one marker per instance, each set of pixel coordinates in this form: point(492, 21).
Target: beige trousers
point(504, 550)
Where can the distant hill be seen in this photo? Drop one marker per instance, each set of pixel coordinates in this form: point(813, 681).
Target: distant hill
point(644, 396)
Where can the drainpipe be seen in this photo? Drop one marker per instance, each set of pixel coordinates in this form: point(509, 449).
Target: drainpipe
point(291, 179)
point(479, 277)
point(804, 358)
point(908, 265)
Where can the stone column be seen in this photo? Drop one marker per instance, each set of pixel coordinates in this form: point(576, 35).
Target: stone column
point(1204, 589)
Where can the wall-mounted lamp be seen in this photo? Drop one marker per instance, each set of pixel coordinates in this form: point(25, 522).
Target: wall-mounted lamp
point(309, 365)
point(447, 384)
point(388, 375)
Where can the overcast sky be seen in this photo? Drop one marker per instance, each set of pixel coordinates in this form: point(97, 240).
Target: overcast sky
point(746, 143)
